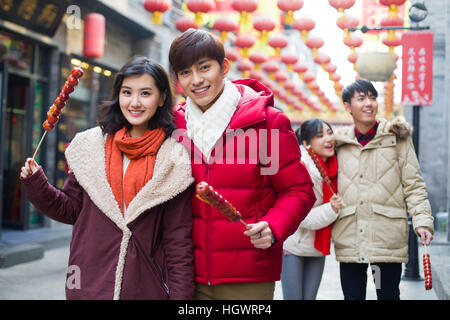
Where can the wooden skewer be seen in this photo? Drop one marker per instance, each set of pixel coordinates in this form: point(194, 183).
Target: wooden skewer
point(40, 142)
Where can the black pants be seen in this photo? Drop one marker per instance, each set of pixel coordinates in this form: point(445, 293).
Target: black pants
point(386, 277)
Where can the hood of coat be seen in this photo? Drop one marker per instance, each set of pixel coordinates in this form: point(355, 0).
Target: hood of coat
point(171, 175)
point(255, 98)
point(397, 126)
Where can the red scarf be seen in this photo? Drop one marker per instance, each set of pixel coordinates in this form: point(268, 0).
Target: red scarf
point(323, 236)
point(142, 153)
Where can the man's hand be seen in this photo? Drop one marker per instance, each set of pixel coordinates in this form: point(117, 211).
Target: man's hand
point(260, 234)
point(425, 236)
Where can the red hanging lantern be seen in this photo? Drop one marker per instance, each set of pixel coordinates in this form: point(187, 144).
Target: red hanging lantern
point(224, 25)
point(244, 7)
point(278, 42)
point(392, 2)
point(199, 7)
point(308, 77)
point(345, 22)
point(289, 6)
point(94, 36)
point(304, 25)
point(245, 66)
point(157, 8)
point(341, 5)
point(353, 41)
point(231, 54)
point(245, 42)
point(270, 67)
point(314, 43)
point(289, 86)
point(300, 68)
point(264, 25)
point(257, 75)
point(330, 68)
point(392, 21)
point(289, 59)
point(258, 58)
point(322, 59)
point(281, 77)
point(184, 23)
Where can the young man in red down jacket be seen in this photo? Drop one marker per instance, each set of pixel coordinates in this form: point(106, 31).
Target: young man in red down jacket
point(245, 148)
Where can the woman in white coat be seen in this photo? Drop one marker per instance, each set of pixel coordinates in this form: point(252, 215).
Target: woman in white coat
point(305, 250)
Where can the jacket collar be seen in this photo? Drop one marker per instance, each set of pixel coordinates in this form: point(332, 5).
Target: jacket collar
point(171, 176)
point(347, 135)
point(255, 97)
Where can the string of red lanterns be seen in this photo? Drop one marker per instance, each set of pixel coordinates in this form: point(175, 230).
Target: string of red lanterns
point(157, 8)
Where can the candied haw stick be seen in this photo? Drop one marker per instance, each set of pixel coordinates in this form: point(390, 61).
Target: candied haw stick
point(427, 270)
point(60, 103)
point(207, 194)
point(325, 177)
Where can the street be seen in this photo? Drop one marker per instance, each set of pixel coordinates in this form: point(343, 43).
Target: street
point(44, 279)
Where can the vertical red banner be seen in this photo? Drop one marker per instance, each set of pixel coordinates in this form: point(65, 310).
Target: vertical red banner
point(417, 73)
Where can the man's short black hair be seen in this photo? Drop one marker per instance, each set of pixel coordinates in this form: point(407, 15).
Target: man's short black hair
point(360, 85)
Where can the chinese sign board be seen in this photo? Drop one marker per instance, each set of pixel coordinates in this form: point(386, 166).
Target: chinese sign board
point(417, 73)
point(42, 16)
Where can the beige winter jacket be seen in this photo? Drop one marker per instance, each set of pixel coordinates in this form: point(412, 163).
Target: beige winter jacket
point(379, 183)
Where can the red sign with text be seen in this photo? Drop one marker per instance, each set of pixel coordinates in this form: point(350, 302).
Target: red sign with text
point(417, 73)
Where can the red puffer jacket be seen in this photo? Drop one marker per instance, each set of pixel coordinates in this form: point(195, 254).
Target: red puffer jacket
point(282, 195)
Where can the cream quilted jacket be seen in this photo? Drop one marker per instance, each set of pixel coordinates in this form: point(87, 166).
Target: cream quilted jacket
point(379, 183)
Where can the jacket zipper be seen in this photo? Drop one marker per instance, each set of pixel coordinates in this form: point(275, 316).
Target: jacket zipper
point(208, 215)
point(166, 287)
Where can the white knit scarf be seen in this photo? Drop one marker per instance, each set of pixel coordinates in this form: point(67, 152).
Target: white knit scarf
point(206, 128)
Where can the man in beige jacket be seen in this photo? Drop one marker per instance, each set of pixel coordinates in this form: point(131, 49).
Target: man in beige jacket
point(379, 181)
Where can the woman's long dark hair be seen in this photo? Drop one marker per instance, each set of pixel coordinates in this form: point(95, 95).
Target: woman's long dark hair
point(111, 119)
point(309, 129)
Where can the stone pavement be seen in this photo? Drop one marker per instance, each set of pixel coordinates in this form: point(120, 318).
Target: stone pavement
point(45, 279)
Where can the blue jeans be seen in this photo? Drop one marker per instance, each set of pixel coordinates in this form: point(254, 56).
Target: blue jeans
point(301, 276)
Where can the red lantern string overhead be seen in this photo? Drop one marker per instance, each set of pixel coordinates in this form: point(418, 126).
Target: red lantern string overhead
point(281, 77)
point(231, 54)
point(345, 22)
point(289, 86)
point(199, 7)
point(278, 41)
point(270, 67)
point(264, 25)
point(322, 59)
point(224, 25)
point(391, 40)
point(184, 23)
point(258, 58)
point(244, 7)
point(157, 8)
point(289, 59)
point(245, 66)
point(341, 5)
point(257, 75)
point(353, 41)
point(308, 77)
point(392, 2)
point(245, 42)
point(300, 68)
point(289, 6)
point(314, 43)
point(304, 25)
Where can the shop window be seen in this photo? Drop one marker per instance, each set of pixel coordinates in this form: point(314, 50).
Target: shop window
point(16, 52)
